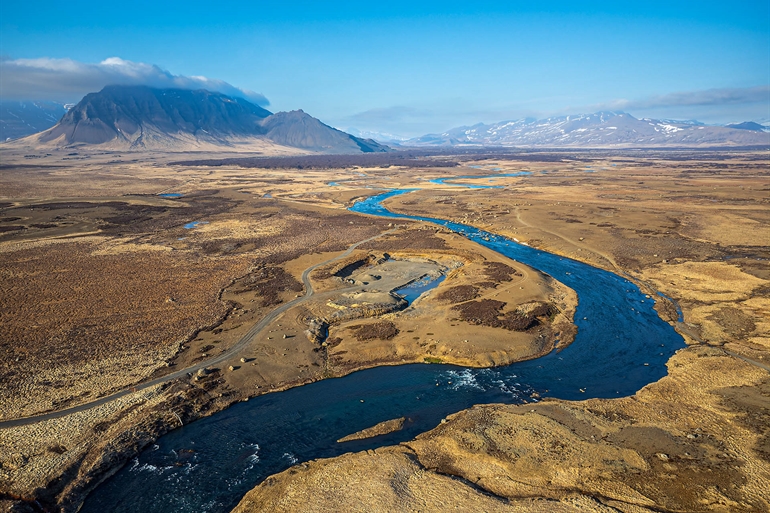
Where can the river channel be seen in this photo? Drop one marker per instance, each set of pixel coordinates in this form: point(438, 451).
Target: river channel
point(208, 465)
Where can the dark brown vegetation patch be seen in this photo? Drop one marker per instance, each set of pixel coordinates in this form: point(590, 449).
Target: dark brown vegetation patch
point(131, 218)
point(459, 294)
point(484, 311)
point(333, 341)
point(12, 228)
point(383, 330)
point(417, 159)
point(268, 281)
point(75, 205)
point(488, 312)
point(499, 271)
point(57, 449)
point(542, 310)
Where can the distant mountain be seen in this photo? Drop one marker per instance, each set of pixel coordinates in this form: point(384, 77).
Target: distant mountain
point(300, 130)
point(749, 125)
point(19, 119)
point(602, 129)
point(382, 137)
point(139, 117)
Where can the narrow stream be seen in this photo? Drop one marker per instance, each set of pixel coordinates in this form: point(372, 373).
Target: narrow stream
point(453, 179)
point(207, 466)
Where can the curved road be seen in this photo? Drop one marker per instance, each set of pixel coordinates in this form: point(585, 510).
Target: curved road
point(262, 324)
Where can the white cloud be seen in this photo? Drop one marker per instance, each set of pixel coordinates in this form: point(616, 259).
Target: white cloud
point(69, 80)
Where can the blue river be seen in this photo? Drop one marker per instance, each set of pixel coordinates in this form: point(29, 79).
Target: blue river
point(452, 180)
point(208, 465)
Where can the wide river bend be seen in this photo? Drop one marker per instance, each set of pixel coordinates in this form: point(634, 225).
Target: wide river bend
point(208, 465)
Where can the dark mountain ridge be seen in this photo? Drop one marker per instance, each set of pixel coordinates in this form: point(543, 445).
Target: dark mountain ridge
point(121, 111)
point(140, 117)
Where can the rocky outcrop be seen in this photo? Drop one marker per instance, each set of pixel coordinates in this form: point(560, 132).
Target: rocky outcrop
point(367, 310)
point(317, 331)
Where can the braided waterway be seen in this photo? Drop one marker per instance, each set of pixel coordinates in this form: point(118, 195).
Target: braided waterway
point(207, 466)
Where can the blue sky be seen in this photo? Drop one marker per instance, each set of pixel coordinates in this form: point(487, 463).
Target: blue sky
point(408, 67)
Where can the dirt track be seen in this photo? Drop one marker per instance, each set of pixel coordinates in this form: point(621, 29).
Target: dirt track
point(262, 324)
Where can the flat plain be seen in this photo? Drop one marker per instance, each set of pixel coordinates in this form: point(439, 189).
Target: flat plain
point(106, 285)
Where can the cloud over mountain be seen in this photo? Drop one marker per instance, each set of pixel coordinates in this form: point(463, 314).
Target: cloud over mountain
point(69, 80)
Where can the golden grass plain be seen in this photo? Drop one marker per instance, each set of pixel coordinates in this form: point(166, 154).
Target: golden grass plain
point(694, 227)
point(691, 225)
point(105, 287)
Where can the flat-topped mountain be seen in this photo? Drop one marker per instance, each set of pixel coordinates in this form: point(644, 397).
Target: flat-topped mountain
point(135, 113)
point(140, 117)
point(602, 129)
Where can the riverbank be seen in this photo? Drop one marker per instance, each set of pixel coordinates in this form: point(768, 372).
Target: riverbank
point(87, 447)
point(680, 444)
point(183, 406)
point(596, 364)
point(678, 227)
point(696, 440)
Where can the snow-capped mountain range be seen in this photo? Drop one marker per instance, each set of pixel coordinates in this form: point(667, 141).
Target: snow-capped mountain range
point(602, 129)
